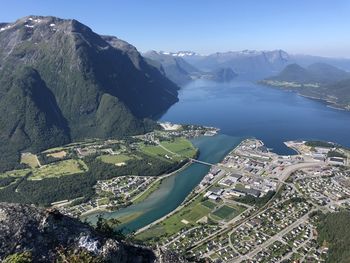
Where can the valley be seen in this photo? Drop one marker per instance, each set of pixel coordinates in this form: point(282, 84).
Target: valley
point(109, 174)
point(174, 132)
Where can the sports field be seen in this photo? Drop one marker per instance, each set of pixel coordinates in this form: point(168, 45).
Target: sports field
point(209, 204)
point(192, 213)
point(178, 149)
point(225, 212)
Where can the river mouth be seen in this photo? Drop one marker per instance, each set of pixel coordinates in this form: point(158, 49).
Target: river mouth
point(173, 189)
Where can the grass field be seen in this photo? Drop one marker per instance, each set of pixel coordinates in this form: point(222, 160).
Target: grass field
point(209, 204)
point(58, 155)
point(114, 159)
point(225, 212)
point(182, 148)
point(30, 159)
point(58, 169)
point(56, 149)
point(15, 173)
point(192, 213)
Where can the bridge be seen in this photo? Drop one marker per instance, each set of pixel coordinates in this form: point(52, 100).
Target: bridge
point(201, 162)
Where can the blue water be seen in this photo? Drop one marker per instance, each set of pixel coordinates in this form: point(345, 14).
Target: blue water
point(240, 110)
point(248, 109)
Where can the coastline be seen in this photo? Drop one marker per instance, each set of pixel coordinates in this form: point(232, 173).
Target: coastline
point(328, 103)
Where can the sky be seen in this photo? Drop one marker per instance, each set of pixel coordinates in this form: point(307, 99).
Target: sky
point(315, 27)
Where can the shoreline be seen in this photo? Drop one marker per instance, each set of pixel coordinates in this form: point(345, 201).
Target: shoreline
point(328, 103)
point(160, 179)
point(98, 210)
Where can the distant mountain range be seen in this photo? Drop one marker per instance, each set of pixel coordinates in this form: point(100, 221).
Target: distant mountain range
point(249, 64)
point(180, 71)
point(318, 80)
point(60, 81)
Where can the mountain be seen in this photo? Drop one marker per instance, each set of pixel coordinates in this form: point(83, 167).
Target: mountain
point(246, 63)
point(181, 53)
point(320, 73)
point(176, 68)
point(222, 75)
point(255, 65)
point(294, 73)
point(318, 80)
point(60, 81)
point(30, 234)
point(306, 60)
point(325, 73)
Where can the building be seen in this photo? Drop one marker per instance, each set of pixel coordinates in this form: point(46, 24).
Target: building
point(336, 160)
point(252, 192)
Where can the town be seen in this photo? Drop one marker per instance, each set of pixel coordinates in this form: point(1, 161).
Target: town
point(258, 206)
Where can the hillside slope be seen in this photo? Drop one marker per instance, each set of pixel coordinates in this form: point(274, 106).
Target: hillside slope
point(81, 85)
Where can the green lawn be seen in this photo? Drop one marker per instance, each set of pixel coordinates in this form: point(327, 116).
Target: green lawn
point(225, 212)
point(196, 212)
point(58, 169)
point(209, 204)
point(114, 159)
point(192, 213)
point(182, 148)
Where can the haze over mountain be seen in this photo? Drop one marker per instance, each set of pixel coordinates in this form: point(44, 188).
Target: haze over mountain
point(60, 81)
point(180, 71)
point(252, 64)
point(318, 80)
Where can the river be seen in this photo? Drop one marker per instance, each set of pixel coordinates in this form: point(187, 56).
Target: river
point(174, 189)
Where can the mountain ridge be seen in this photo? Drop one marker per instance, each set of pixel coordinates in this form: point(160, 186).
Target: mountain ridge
point(179, 70)
point(102, 86)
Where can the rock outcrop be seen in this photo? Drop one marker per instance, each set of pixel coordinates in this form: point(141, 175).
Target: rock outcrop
point(48, 236)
